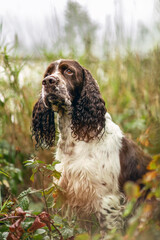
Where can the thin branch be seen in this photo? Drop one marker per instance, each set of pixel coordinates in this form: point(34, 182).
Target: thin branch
point(61, 237)
point(43, 190)
point(15, 217)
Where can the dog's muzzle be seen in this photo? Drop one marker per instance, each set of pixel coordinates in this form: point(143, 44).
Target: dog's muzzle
point(55, 93)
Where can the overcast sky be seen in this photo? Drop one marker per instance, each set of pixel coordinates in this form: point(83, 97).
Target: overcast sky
point(29, 16)
point(98, 9)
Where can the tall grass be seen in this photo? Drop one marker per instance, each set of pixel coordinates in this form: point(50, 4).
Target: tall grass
point(130, 86)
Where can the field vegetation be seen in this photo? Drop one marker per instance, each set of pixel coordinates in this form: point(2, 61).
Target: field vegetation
point(129, 83)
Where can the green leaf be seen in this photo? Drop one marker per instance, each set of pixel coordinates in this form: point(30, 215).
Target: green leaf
point(83, 236)
point(5, 204)
point(157, 193)
point(132, 190)
point(39, 234)
point(40, 231)
point(129, 208)
point(56, 174)
point(29, 162)
point(32, 177)
point(3, 236)
point(4, 173)
point(67, 232)
point(24, 193)
point(52, 166)
point(58, 220)
point(49, 190)
point(34, 171)
point(55, 162)
point(46, 238)
point(24, 203)
point(3, 228)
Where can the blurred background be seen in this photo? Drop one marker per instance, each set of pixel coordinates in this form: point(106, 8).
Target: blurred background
point(117, 40)
point(37, 26)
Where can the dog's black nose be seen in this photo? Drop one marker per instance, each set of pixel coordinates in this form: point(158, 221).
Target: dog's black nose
point(50, 81)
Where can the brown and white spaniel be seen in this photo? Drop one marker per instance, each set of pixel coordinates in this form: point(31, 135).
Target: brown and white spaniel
point(96, 159)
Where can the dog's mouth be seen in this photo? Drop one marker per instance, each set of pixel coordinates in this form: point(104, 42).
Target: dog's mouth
point(56, 101)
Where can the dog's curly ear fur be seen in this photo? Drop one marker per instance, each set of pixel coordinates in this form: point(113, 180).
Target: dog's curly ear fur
point(88, 114)
point(43, 126)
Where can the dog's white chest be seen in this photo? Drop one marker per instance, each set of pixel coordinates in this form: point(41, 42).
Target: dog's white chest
point(90, 170)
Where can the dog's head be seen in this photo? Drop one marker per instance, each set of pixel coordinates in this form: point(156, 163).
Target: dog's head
point(68, 87)
point(62, 84)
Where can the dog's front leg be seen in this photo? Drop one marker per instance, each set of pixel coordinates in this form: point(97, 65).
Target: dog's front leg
point(110, 213)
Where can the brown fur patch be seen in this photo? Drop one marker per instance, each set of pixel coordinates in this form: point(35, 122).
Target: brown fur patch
point(133, 162)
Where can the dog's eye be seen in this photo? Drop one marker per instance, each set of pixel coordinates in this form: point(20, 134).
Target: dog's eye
point(69, 72)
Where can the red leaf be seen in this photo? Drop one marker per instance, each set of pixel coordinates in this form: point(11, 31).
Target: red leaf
point(15, 225)
point(45, 218)
point(19, 232)
point(20, 212)
point(11, 236)
point(16, 230)
point(36, 225)
point(16, 235)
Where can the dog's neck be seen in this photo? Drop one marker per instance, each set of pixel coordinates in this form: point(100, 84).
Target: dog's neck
point(66, 142)
point(64, 124)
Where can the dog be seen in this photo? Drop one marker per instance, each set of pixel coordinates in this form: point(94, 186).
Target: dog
point(96, 158)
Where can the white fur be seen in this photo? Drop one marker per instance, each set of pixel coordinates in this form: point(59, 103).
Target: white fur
point(90, 172)
point(56, 72)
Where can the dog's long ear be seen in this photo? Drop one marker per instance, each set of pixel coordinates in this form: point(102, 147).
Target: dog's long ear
point(88, 115)
point(43, 126)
